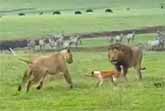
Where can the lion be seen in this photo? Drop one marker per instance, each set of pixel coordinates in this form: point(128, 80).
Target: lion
point(40, 67)
point(124, 57)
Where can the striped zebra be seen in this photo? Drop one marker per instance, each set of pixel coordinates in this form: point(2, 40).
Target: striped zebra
point(130, 37)
point(161, 37)
point(31, 44)
point(75, 41)
point(118, 38)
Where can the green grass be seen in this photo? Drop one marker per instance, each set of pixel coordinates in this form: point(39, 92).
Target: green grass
point(142, 13)
point(67, 4)
point(14, 27)
point(139, 39)
point(127, 96)
point(56, 96)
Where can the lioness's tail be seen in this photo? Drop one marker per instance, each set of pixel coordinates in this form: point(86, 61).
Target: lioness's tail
point(26, 61)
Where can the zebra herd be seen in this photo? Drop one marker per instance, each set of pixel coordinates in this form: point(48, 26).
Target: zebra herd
point(54, 42)
point(157, 43)
point(59, 41)
point(121, 38)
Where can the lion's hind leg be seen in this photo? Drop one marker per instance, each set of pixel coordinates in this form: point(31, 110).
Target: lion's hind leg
point(138, 68)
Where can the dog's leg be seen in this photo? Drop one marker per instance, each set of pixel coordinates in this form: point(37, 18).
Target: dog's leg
point(97, 84)
point(101, 82)
point(113, 82)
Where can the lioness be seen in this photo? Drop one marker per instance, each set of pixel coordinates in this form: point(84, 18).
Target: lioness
point(40, 67)
point(124, 57)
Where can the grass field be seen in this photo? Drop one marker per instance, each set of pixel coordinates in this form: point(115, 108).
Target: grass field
point(139, 39)
point(133, 95)
point(37, 26)
point(67, 4)
point(142, 13)
point(127, 96)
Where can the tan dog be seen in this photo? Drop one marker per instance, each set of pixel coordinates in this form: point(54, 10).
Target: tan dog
point(40, 67)
point(103, 75)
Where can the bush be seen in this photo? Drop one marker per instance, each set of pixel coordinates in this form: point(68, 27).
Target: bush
point(56, 13)
point(161, 6)
point(127, 9)
point(89, 10)
point(109, 10)
point(41, 13)
point(21, 14)
point(77, 12)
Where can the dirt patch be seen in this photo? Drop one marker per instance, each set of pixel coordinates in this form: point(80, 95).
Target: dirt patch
point(95, 49)
point(114, 33)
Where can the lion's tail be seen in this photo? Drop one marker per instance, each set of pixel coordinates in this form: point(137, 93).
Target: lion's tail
point(142, 68)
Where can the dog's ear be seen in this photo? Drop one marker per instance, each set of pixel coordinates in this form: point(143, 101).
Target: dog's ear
point(92, 73)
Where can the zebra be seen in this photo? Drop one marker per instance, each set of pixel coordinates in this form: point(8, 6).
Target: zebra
point(42, 44)
point(130, 37)
point(161, 37)
point(118, 38)
point(31, 44)
point(67, 44)
point(60, 42)
point(52, 42)
point(155, 44)
point(110, 39)
point(75, 41)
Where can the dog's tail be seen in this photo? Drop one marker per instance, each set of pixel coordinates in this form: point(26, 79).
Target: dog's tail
point(89, 75)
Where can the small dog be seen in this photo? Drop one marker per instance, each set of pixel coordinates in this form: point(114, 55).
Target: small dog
point(103, 75)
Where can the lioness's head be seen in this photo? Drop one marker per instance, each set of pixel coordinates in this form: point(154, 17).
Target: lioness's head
point(67, 55)
point(116, 53)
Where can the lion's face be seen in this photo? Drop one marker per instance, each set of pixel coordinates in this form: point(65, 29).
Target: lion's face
point(115, 55)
